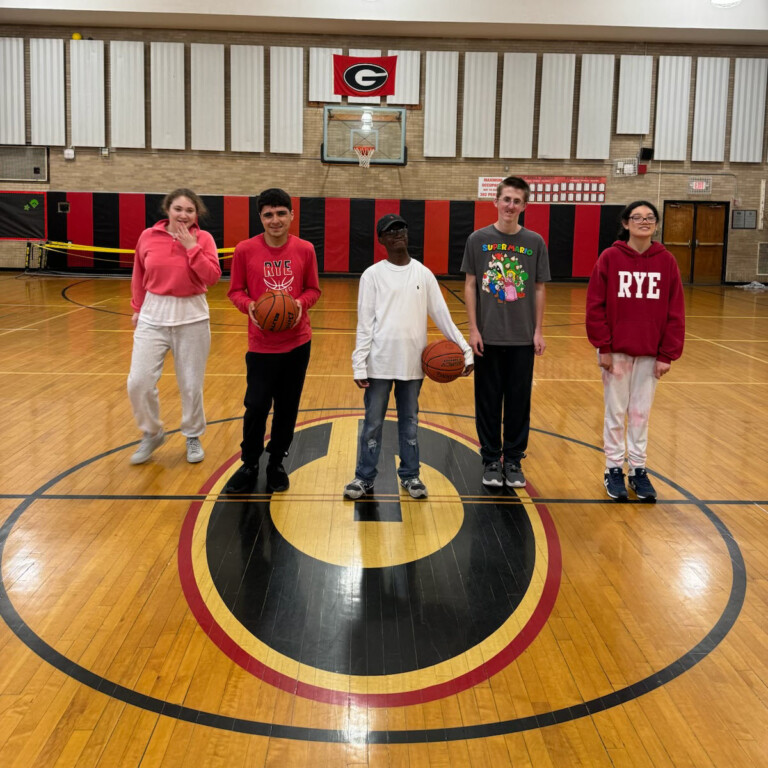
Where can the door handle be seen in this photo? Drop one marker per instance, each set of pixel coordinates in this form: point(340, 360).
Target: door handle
point(698, 244)
point(687, 245)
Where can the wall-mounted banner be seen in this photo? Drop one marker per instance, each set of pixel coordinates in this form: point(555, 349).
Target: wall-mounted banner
point(364, 75)
point(22, 216)
point(551, 189)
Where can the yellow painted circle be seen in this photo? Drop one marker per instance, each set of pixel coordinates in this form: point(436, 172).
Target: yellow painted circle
point(316, 519)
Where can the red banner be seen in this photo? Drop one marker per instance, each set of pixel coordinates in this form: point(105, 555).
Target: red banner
point(364, 75)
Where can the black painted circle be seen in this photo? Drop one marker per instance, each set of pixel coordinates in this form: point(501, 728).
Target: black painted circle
point(462, 593)
point(653, 681)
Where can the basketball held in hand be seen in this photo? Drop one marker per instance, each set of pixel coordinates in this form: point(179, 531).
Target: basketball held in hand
point(442, 361)
point(276, 311)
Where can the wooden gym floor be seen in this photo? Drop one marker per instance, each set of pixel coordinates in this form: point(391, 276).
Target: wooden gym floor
point(148, 622)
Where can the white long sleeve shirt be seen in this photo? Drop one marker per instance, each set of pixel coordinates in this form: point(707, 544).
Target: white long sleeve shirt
point(392, 307)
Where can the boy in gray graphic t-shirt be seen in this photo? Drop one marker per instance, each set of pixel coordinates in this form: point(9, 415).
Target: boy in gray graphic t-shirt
point(506, 267)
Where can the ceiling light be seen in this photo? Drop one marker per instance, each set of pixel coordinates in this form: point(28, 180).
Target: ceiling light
point(725, 3)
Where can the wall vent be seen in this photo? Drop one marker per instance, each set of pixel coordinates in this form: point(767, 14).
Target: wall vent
point(762, 258)
point(23, 163)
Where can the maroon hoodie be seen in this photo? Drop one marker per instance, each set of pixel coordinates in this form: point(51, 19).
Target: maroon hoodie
point(635, 303)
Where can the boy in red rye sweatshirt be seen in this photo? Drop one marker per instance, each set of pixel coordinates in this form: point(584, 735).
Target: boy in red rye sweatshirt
point(276, 363)
point(636, 319)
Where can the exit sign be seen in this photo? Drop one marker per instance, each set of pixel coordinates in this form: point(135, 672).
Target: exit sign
point(700, 185)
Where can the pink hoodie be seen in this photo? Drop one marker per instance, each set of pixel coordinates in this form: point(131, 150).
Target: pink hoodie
point(165, 267)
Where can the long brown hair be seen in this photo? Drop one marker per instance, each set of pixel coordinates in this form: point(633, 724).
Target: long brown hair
point(200, 208)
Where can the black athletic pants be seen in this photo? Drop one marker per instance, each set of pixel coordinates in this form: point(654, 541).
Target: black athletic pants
point(503, 380)
point(277, 379)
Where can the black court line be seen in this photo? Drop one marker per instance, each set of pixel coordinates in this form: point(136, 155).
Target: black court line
point(582, 709)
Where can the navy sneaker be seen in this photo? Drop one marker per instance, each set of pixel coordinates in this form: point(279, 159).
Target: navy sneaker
point(641, 485)
point(614, 484)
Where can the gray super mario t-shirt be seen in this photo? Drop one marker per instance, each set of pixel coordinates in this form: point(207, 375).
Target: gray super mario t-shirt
point(507, 268)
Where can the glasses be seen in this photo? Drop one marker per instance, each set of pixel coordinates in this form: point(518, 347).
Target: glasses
point(637, 219)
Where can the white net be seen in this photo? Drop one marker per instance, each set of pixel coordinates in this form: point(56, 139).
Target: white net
point(364, 155)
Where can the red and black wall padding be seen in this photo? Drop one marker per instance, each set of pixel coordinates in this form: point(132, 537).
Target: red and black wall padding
point(341, 229)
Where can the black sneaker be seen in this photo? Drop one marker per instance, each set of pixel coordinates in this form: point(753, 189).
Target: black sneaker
point(277, 477)
point(614, 484)
point(513, 474)
point(641, 485)
point(243, 481)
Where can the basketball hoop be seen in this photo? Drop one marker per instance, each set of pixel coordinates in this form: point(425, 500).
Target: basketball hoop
point(364, 155)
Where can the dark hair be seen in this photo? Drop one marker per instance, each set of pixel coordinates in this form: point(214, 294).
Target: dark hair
point(516, 183)
point(200, 208)
point(623, 233)
point(275, 197)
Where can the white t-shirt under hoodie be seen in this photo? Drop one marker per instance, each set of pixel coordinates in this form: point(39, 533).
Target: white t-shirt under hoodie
point(392, 307)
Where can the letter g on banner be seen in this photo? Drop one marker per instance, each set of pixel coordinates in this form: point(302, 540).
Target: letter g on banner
point(364, 76)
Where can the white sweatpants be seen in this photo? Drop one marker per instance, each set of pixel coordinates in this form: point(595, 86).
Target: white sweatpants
point(189, 345)
point(629, 394)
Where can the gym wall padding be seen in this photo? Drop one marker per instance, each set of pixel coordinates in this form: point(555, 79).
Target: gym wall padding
point(341, 229)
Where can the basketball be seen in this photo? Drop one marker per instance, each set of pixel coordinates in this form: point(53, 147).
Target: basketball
point(275, 311)
point(442, 361)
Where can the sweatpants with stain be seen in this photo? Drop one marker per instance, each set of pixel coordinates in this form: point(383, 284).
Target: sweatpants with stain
point(629, 392)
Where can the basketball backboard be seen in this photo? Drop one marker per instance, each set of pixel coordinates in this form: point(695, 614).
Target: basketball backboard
point(380, 129)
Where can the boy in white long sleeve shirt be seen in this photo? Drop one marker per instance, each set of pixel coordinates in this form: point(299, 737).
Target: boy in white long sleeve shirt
point(394, 300)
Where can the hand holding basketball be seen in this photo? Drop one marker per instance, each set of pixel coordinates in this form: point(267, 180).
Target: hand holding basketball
point(443, 361)
point(274, 311)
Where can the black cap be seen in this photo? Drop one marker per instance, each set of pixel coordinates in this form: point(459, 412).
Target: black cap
point(386, 222)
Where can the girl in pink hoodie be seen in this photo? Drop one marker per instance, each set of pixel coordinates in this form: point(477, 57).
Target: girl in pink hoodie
point(636, 319)
point(175, 263)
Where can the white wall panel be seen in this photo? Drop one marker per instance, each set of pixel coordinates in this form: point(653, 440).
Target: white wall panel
point(441, 90)
point(167, 95)
point(87, 115)
point(286, 100)
point(407, 77)
point(748, 115)
point(673, 93)
point(206, 65)
point(247, 98)
point(321, 75)
point(556, 105)
point(710, 109)
point(634, 111)
point(364, 99)
point(478, 125)
point(595, 107)
point(12, 90)
point(126, 94)
point(517, 103)
point(46, 91)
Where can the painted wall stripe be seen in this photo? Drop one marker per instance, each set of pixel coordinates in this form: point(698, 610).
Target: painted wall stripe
point(436, 233)
point(586, 239)
point(131, 224)
point(80, 228)
point(337, 234)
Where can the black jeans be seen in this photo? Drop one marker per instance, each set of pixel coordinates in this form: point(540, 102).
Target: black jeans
point(503, 380)
point(272, 379)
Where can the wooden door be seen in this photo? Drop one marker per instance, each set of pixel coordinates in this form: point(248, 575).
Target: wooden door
point(677, 235)
point(709, 243)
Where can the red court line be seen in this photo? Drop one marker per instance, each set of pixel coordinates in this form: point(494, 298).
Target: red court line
point(80, 227)
point(382, 207)
point(537, 219)
point(131, 223)
point(586, 239)
point(336, 251)
point(437, 227)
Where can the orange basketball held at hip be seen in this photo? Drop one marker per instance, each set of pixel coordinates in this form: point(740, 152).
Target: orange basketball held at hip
point(275, 311)
point(442, 361)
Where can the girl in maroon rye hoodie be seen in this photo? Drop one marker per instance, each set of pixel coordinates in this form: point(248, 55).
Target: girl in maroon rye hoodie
point(636, 319)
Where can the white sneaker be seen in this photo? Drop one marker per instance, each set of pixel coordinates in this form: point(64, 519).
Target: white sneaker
point(195, 451)
point(148, 445)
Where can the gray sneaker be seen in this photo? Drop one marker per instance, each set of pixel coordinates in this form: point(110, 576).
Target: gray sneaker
point(415, 487)
point(357, 488)
point(513, 474)
point(492, 474)
point(195, 451)
point(148, 445)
